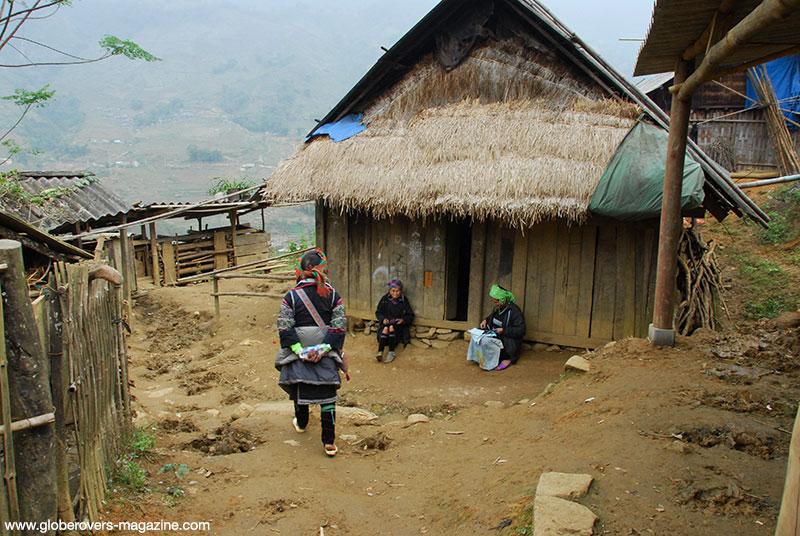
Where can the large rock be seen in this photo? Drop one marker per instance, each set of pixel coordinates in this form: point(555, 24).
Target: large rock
point(554, 516)
point(540, 347)
point(439, 344)
point(564, 485)
point(577, 362)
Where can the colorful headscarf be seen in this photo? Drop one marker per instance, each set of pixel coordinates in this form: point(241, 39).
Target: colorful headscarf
point(502, 295)
point(314, 265)
point(395, 283)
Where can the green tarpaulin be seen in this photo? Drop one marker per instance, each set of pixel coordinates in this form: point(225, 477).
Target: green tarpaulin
point(632, 185)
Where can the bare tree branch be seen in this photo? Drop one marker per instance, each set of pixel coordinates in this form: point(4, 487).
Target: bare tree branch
point(47, 47)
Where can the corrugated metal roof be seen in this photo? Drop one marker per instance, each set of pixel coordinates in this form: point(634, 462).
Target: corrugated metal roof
point(654, 82)
point(678, 24)
point(86, 201)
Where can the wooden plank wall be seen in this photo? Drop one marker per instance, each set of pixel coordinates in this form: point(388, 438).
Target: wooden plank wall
point(745, 133)
point(364, 254)
point(579, 285)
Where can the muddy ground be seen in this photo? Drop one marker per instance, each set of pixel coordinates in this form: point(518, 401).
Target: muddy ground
point(684, 440)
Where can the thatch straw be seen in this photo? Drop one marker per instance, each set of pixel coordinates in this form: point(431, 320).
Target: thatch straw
point(501, 136)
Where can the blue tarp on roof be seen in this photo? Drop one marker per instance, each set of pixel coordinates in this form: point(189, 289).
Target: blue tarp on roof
point(784, 73)
point(347, 126)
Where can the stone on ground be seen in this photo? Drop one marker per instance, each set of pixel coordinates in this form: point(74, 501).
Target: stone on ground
point(577, 362)
point(564, 485)
point(554, 516)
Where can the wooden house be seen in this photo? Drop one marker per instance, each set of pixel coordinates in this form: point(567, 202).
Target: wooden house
point(727, 125)
point(467, 156)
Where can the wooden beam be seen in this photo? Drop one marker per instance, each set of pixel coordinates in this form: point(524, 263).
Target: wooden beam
point(761, 17)
point(707, 38)
point(764, 59)
point(32, 244)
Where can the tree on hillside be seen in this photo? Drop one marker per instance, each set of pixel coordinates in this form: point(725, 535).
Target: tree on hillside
point(16, 13)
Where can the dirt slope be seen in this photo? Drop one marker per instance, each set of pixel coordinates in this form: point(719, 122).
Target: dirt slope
point(690, 440)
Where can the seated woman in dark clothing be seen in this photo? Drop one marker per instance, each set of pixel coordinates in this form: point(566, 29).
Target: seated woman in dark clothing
point(394, 315)
point(508, 322)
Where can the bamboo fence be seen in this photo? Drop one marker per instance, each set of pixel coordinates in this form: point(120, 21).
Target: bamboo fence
point(94, 348)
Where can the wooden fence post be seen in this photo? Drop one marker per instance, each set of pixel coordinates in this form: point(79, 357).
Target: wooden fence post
point(29, 380)
point(10, 502)
point(58, 387)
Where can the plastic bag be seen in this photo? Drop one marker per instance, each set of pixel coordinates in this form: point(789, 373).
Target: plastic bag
point(484, 348)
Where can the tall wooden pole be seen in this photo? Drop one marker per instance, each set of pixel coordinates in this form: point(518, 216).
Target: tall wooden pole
point(789, 517)
point(154, 255)
point(10, 470)
point(58, 386)
point(29, 383)
point(125, 267)
point(662, 330)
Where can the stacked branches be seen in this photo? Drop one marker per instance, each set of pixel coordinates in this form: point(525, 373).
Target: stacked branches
point(788, 162)
point(699, 284)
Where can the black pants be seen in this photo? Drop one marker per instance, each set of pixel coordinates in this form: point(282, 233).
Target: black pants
point(387, 339)
point(327, 416)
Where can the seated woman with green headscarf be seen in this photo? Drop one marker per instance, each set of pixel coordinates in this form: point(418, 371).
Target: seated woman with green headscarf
point(508, 322)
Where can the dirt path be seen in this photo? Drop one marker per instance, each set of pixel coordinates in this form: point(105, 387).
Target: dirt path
point(680, 441)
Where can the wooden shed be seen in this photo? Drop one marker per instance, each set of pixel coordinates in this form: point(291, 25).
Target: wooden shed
point(470, 153)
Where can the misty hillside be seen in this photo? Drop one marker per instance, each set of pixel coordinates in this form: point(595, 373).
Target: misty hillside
point(238, 86)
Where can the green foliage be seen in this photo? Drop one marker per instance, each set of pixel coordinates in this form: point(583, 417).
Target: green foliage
point(114, 46)
point(180, 469)
point(142, 443)
point(12, 191)
point(225, 185)
point(127, 473)
point(304, 242)
point(23, 97)
point(770, 307)
point(768, 282)
point(783, 208)
point(196, 154)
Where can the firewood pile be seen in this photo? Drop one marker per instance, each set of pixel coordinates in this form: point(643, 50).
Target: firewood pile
point(699, 284)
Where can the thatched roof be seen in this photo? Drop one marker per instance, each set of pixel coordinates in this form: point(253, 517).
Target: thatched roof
point(504, 135)
point(520, 130)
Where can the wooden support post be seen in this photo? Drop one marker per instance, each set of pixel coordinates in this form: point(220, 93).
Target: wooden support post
point(154, 255)
point(789, 517)
point(233, 215)
point(127, 271)
point(319, 230)
point(216, 297)
point(662, 331)
point(10, 472)
point(477, 268)
point(28, 380)
point(58, 387)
